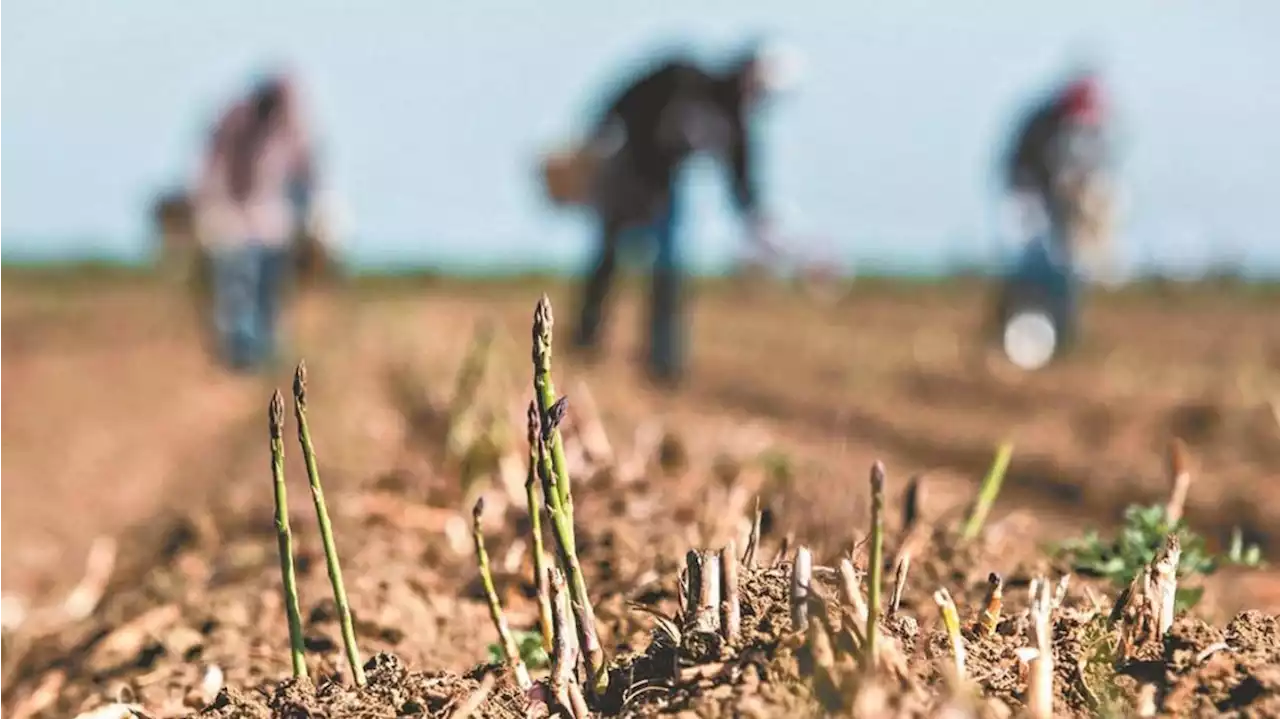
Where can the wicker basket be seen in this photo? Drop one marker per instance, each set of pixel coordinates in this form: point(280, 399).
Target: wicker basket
point(567, 176)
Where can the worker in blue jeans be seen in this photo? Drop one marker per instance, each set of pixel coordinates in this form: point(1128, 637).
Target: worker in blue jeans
point(254, 192)
point(249, 282)
point(646, 134)
point(1043, 276)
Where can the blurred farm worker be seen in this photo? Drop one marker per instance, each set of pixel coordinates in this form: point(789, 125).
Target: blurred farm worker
point(627, 173)
point(253, 193)
point(1057, 171)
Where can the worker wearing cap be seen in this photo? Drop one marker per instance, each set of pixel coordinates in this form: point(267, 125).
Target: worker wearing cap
point(1054, 168)
point(1059, 144)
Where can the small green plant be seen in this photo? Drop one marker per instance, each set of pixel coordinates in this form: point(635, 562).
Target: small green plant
point(529, 642)
point(1098, 670)
point(1136, 545)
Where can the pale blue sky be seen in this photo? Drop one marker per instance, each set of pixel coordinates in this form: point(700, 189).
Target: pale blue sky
point(433, 113)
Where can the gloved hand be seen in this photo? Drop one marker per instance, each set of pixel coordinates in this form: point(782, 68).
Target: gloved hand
point(763, 237)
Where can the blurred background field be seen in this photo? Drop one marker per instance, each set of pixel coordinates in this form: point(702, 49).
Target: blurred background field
point(113, 413)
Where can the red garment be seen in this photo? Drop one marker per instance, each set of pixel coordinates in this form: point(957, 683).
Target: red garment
point(1082, 101)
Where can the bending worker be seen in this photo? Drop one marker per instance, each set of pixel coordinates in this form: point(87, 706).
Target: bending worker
point(638, 148)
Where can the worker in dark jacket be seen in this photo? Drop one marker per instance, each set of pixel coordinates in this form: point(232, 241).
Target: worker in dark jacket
point(1054, 168)
point(1059, 142)
point(642, 141)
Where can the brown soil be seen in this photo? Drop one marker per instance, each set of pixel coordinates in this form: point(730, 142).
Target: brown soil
point(116, 425)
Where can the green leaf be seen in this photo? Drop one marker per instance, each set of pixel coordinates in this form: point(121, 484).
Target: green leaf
point(1115, 565)
point(1139, 540)
point(530, 644)
point(1187, 597)
point(495, 653)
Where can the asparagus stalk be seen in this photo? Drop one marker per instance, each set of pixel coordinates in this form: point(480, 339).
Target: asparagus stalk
point(801, 580)
point(326, 527)
point(951, 620)
point(545, 392)
point(730, 607)
point(508, 642)
point(284, 537)
point(876, 565)
point(562, 527)
point(531, 489)
point(988, 492)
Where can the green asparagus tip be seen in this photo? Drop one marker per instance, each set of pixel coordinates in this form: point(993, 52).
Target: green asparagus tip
point(877, 476)
point(543, 320)
point(555, 415)
point(477, 510)
point(533, 421)
point(300, 384)
point(275, 415)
